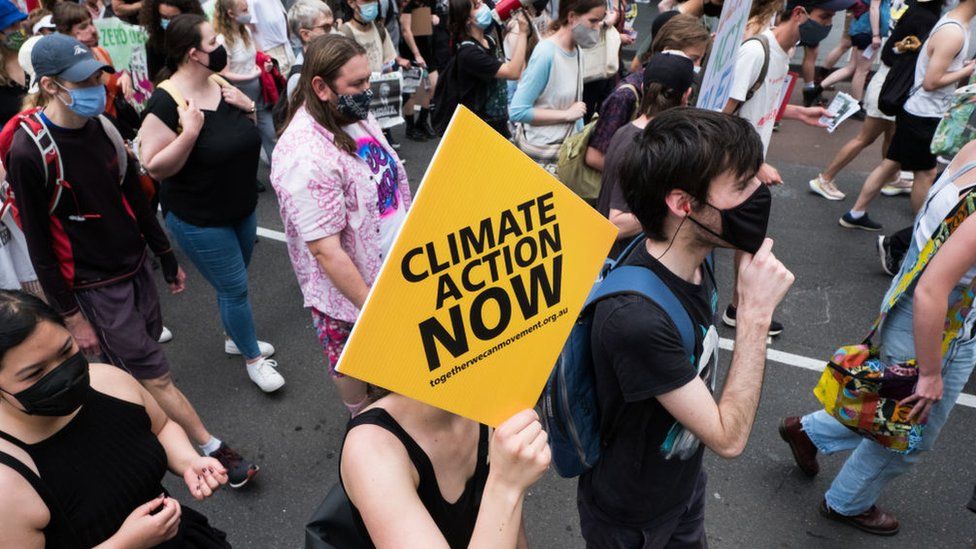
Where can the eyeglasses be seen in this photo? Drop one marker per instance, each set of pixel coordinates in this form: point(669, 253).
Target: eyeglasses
point(326, 28)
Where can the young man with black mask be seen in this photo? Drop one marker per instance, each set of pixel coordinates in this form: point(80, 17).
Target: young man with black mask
point(691, 195)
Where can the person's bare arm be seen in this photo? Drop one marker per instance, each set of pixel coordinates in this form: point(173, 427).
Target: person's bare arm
point(340, 269)
point(874, 17)
point(164, 152)
point(23, 514)
point(123, 9)
point(512, 69)
point(407, 32)
point(945, 45)
point(626, 223)
point(594, 158)
point(725, 427)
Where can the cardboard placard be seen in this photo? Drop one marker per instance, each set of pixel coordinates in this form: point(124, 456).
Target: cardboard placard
point(483, 283)
point(720, 71)
point(421, 22)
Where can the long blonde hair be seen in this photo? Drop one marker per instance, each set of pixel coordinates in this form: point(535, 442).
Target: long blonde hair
point(228, 26)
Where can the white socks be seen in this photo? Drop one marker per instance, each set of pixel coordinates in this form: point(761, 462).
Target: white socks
point(211, 446)
point(856, 214)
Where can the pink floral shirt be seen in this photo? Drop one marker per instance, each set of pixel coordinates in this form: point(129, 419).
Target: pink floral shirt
point(323, 191)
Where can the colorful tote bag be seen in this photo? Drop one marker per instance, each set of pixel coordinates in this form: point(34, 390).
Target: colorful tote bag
point(861, 391)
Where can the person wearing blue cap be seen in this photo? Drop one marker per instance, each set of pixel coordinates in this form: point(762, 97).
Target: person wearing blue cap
point(87, 224)
point(13, 82)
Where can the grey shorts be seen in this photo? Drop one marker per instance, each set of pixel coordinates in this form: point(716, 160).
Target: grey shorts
point(127, 318)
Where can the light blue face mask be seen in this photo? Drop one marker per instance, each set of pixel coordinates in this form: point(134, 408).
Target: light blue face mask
point(482, 17)
point(369, 12)
point(164, 23)
point(87, 102)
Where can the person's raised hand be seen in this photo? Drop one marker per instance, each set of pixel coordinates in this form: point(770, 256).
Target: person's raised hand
point(191, 118)
point(763, 283)
point(204, 476)
point(519, 453)
point(576, 111)
point(151, 524)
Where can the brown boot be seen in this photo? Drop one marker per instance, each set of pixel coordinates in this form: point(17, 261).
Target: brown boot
point(873, 521)
point(804, 451)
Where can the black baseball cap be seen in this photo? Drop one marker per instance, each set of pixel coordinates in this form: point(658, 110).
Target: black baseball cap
point(672, 71)
point(63, 56)
point(828, 5)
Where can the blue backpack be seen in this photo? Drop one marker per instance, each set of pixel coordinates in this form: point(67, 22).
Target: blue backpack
point(569, 403)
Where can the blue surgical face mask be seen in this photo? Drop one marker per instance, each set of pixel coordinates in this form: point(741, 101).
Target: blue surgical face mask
point(164, 23)
point(87, 102)
point(482, 17)
point(369, 12)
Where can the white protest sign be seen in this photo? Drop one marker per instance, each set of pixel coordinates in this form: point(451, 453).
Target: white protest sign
point(720, 72)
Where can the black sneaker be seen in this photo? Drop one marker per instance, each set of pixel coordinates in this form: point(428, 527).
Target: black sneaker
point(972, 502)
point(864, 223)
point(810, 95)
point(239, 470)
point(728, 318)
point(888, 263)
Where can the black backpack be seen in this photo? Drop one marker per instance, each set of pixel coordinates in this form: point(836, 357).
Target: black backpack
point(447, 93)
point(898, 84)
point(279, 113)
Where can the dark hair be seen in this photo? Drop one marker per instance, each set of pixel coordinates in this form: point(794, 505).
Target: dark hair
point(324, 57)
point(150, 19)
point(658, 99)
point(20, 313)
point(684, 148)
point(68, 14)
point(458, 12)
point(182, 35)
point(579, 7)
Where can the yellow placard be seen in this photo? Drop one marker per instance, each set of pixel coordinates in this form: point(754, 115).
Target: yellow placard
point(484, 282)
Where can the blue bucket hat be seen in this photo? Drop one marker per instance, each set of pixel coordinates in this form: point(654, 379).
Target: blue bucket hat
point(9, 14)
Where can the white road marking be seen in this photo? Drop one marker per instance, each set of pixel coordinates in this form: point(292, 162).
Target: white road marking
point(782, 357)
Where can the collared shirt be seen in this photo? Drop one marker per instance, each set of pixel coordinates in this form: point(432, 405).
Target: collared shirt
point(324, 190)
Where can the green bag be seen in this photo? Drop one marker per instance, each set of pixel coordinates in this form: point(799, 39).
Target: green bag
point(571, 166)
point(958, 124)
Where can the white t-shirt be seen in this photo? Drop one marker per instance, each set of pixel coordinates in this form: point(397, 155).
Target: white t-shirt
point(241, 58)
point(15, 263)
point(270, 23)
point(762, 108)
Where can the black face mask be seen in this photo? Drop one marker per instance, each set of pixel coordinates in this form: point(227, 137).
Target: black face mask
point(216, 59)
point(744, 226)
point(712, 10)
point(60, 392)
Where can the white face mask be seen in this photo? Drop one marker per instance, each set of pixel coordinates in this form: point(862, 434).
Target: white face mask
point(244, 19)
point(584, 36)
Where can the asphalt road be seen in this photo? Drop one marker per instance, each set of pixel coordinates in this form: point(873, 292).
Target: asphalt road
point(756, 500)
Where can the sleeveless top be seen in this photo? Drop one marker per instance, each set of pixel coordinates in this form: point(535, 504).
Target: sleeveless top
point(933, 104)
point(95, 471)
point(455, 520)
point(942, 197)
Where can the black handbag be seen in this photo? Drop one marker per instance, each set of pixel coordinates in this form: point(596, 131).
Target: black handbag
point(333, 525)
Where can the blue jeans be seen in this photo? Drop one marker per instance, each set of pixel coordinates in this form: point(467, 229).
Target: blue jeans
point(222, 255)
point(871, 466)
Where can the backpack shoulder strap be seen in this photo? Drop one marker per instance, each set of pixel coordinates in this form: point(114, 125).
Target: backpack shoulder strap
point(764, 42)
point(220, 80)
point(637, 99)
point(170, 88)
point(634, 280)
point(116, 138)
point(33, 125)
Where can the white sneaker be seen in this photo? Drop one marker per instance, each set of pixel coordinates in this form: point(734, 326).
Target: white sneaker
point(263, 374)
point(266, 348)
point(165, 336)
point(826, 189)
point(895, 188)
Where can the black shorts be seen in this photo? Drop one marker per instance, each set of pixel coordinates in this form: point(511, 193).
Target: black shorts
point(910, 144)
point(861, 41)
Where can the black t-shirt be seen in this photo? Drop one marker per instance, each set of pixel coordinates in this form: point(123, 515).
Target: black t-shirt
point(611, 195)
point(217, 184)
point(479, 89)
point(638, 355)
point(918, 21)
point(11, 101)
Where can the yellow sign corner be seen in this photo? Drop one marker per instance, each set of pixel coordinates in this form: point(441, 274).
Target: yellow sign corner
point(484, 282)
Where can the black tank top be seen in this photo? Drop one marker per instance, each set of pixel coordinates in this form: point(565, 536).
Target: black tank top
point(455, 520)
point(95, 471)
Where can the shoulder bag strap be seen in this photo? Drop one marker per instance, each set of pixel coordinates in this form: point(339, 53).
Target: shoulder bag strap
point(118, 143)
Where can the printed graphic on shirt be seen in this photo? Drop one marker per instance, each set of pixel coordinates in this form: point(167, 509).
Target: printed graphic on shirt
point(384, 167)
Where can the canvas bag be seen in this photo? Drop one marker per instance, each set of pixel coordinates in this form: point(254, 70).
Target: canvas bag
point(862, 392)
point(602, 61)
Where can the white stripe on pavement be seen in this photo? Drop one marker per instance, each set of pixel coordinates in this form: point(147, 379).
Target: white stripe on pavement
point(782, 357)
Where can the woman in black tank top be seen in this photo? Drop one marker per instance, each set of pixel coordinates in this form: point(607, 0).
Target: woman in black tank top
point(416, 472)
point(83, 449)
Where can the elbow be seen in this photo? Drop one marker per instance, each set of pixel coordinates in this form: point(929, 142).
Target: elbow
point(520, 114)
point(730, 450)
point(929, 86)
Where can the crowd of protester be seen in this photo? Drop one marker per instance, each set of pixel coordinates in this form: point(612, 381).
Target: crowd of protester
point(98, 187)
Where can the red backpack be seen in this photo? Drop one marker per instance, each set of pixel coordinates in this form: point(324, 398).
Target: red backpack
point(32, 123)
